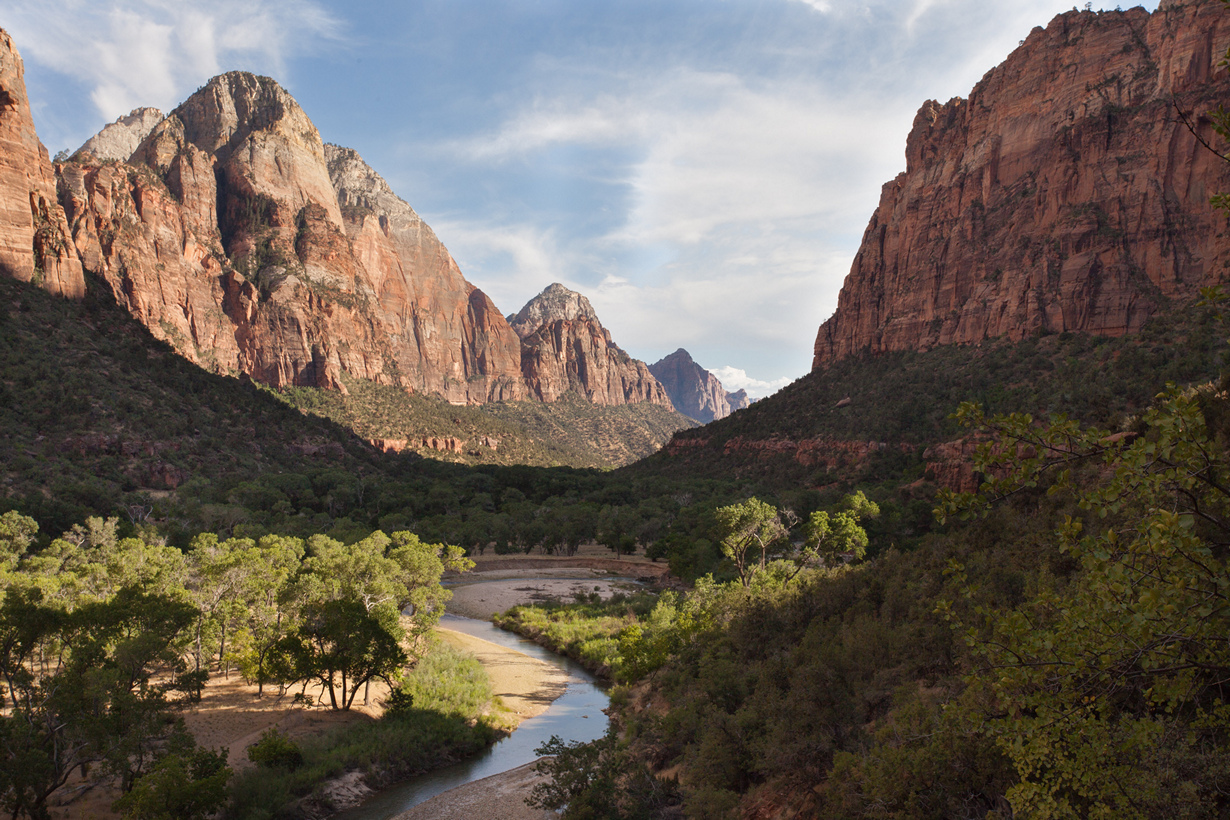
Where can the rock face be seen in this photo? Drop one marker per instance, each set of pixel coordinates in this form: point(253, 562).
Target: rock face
point(34, 237)
point(1064, 194)
point(695, 392)
point(564, 347)
point(233, 233)
point(453, 338)
point(118, 140)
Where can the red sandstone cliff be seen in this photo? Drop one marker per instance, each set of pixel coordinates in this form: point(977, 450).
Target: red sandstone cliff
point(564, 347)
point(1064, 194)
point(34, 238)
point(235, 235)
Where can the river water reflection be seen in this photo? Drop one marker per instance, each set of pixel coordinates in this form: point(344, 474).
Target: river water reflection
point(576, 715)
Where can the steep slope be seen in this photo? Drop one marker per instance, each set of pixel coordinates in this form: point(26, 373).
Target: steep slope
point(565, 348)
point(1064, 195)
point(695, 392)
point(34, 244)
point(225, 235)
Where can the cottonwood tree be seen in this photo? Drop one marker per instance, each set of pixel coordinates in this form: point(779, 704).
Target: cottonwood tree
point(90, 687)
point(755, 532)
point(750, 530)
point(343, 646)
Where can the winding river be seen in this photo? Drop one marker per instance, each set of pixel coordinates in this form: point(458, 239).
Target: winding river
point(576, 715)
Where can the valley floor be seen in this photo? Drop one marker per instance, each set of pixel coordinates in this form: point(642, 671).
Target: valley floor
point(231, 716)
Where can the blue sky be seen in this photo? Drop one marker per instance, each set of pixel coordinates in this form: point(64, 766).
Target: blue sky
point(702, 170)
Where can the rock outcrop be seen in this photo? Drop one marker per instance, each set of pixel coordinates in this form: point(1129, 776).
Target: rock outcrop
point(118, 140)
point(564, 347)
point(34, 236)
point(233, 233)
point(453, 339)
point(1066, 194)
point(695, 392)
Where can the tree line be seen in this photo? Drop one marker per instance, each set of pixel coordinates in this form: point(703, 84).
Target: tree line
point(103, 639)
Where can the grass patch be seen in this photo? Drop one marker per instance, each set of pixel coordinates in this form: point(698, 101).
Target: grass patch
point(450, 681)
point(585, 632)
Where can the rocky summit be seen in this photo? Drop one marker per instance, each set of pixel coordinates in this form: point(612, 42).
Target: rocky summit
point(565, 348)
point(695, 392)
point(118, 140)
point(234, 233)
point(1065, 194)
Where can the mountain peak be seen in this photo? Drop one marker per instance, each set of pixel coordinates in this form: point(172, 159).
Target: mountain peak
point(554, 304)
point(695, 392)
point(118, 140)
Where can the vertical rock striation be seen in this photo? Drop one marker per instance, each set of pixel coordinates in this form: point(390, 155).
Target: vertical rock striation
point(1064, 194)
point(34, 236)
point(231, 231)
point(236, 235)
point(564, 347)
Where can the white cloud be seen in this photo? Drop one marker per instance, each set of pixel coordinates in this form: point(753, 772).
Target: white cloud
point(822, 6)
point(155, 52)
point(734, 379)
point(739, 204)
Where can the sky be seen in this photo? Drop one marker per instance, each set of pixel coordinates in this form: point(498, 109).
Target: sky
point(702, 170)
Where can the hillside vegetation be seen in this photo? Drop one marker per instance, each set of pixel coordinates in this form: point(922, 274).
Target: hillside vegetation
point(908, 398)
point(570, 432)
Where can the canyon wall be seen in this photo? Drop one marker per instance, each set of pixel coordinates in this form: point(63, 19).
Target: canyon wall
point(234, 233)
point(1065, 194)
point(34, 236)
point(695, 392)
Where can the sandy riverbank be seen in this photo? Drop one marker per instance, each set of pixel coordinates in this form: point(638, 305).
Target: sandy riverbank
point(499, 797)
point(231, 716)
point(525, 686)
point(481, 594)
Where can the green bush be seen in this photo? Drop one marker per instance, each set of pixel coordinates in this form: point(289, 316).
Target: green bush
point(447, 681)
point(275, 750)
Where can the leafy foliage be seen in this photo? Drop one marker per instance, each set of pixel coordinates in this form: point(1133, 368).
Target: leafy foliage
point(1111, 688)
point(598, 780)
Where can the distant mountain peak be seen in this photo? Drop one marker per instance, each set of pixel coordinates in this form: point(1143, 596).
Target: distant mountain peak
point(565, 348)
point(695, 392)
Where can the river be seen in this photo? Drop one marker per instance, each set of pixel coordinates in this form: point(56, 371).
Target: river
point(576, 715)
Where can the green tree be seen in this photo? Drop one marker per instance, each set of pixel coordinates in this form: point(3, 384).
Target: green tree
point(88, 686)
point(17, 533)
point(186, 783)
point(1108, 690)
point(749, 532)
point(837, 536)
point(342, 645)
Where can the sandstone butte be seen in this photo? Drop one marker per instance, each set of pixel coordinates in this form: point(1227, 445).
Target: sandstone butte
point(1065, 194)
point(564, 347)
point(234, 233)
point(695, 392)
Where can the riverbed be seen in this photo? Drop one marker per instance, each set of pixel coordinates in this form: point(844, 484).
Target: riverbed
point(575, 716)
